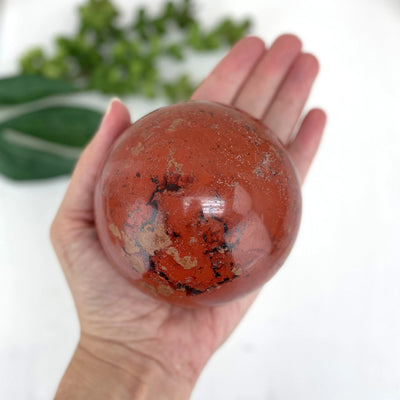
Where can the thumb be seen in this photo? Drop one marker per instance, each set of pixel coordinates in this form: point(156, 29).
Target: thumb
point(78, 201)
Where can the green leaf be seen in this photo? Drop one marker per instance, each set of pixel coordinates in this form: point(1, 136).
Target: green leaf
point(19, 162)
point(99, 15)
point(23, 88)
point(32, 61)
point(71, 126)
point(45, 143)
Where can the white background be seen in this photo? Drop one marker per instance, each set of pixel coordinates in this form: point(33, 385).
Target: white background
point(327, 326)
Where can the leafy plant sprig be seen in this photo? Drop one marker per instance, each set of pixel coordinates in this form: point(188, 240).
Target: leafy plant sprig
point(106, 56)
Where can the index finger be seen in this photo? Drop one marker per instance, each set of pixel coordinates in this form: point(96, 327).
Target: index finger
point(224, 82)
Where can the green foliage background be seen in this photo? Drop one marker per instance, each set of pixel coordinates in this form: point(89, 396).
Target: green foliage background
point(104, 56)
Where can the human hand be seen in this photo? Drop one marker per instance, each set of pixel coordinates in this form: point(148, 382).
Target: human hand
point(134, 346)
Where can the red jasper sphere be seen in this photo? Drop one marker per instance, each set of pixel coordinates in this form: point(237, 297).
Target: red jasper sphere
point(197, 204)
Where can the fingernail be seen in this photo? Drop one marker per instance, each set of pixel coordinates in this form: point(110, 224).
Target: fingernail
point(109, 108)
point(110, 104)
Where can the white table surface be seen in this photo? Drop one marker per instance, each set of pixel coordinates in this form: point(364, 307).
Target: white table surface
point(327, 326)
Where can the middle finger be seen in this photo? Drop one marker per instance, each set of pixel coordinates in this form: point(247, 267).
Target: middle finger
point(261, 87)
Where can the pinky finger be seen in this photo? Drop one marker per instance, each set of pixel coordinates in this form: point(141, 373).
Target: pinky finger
point(306, 143)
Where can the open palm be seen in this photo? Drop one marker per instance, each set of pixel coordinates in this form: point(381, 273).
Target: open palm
point(270, 84)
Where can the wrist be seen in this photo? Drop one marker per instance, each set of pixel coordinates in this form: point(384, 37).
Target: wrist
point(108, 370)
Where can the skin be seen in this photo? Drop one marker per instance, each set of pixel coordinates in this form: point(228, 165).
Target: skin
point(134, 346)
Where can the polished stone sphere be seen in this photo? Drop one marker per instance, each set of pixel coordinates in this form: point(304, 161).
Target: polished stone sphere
point(197, 204)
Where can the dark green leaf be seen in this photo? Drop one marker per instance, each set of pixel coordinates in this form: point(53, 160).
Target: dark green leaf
point(23, 88)
point(45, 143)
point(17, 161)
point(71, 126)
